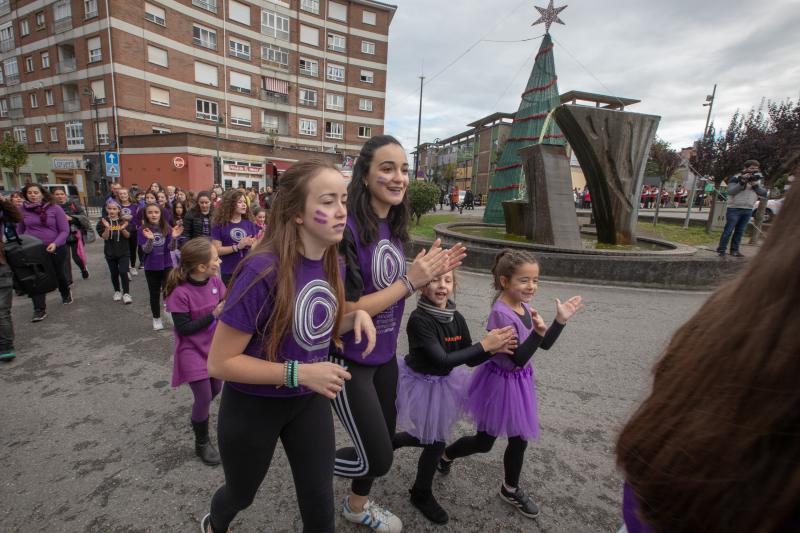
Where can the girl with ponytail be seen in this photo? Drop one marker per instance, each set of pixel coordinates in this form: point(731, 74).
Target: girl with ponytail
point(194, 294)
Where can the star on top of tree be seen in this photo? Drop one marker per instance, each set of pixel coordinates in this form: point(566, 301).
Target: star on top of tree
point(549, 15)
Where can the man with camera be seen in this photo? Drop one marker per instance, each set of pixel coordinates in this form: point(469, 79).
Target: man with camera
point(743, 192)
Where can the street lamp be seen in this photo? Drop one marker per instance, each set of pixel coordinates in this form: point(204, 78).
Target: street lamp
point(87, 91)
point(218, 161)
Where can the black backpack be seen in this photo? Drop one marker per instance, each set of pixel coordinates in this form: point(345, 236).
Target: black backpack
point(30, 262)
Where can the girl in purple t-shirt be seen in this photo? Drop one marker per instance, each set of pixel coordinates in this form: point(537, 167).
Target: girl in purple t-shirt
point(157, 239)
point(271, 347)
point(194, 294)
point(502, 393)
point(377, 282)
point(233, 232)
point(129, 211)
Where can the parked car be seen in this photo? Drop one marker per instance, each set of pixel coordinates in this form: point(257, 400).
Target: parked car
point(773, 208)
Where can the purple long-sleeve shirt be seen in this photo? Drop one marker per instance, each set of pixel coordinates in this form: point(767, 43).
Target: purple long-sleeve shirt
point(54, 230)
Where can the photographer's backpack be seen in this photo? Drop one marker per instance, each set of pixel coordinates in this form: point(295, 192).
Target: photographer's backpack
point(30, 262)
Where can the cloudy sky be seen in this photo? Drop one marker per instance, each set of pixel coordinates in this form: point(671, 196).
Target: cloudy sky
point(666, 53)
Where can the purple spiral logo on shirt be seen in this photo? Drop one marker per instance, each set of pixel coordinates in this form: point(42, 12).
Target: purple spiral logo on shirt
point(237, 234)
point(388, 264)
point(126, 211)
point(158, 239)
point(314, 314)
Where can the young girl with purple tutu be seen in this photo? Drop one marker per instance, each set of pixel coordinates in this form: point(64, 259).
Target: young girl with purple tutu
point(502, 393)
point(432, 383)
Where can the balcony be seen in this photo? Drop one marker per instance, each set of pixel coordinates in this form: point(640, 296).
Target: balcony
point(63, 24)
point(5, 7)
point(12, 79)
point(15, 113)
point(273, 97)
point(7, 44)
point(66, 65)
point(72, 105)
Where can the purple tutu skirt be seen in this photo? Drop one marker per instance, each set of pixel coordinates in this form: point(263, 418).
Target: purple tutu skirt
point(502, 402)
point(429, 406)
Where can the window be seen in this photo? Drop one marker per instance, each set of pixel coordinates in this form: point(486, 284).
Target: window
point(62, 11)
point(29, 64)
point(53, 135)
point(274, 25)
point(161, 131)
point(40, 19)
point(336, 43)
point(365, 104)
point(155, 14)
point(90, 8)
point(239, 12)
point(309, 35)
point(335, 72)
point(24, 29)
point(205, 37)
point(102, 132)
point(48, 97)
point(45, 59)
point(309, 67)
point(37, 135)
point(20, 134)
point(3, 108)
point(12, 71)
point(209, 5)
point(365, 132)
point(34, 100)
point(240, 82)
point(275, 54)
point(159, 96)
point(308, 97)
point(334, 130)
point(337, 11)
point(270, 123)
point(308, 126)
point(334, 102)
point(206, 110)
point(15, 100)
point(368, 17)
point(240, 49)
point(241, 116)
point(205, 74)
point(99, 91)
point(312, 6)
point(367, 76)
point(74, 131)
point(95, 52)
point(157, 56)
point(367, 47)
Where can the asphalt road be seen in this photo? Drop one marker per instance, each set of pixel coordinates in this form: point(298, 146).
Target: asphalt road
point(93, 438)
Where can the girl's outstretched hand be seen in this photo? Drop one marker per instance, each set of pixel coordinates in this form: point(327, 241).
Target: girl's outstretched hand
point(177, 231)
point(566, 310)
point(362, 325)
point(495, 340)
point(538, 323)
point(427, 264)
point(323, 378)
point(148, 234)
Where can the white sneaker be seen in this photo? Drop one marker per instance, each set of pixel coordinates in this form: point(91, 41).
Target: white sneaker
point(157, 324)
point(374, 517)
point(117, 296)
point(126, 298)
point(134, 272)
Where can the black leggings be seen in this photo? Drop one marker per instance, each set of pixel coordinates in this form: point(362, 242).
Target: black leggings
point(119, 268)
point(133, 247)
point(366, 409)
point(59, 261)
point(73, 250)
point(155, 284)
point(482, 442)
point(426, 466)
point(248, 430)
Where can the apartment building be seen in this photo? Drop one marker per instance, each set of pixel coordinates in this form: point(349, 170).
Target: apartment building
point(80, 77)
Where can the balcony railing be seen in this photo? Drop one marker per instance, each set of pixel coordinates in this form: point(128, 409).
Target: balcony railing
point(7, 44)
point(275, 98)
point(66, 65)
point(5, 7)
point(63, 24)
point(12, 79)
point(15, 113)
point(210, 5)
point(72, 105)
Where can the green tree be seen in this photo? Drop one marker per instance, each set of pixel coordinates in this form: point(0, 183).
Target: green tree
point(449, 173)
point(422, 196)
point(13, 155)
point(663, 162)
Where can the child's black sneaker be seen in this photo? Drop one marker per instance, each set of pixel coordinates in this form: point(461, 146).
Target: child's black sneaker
point(443, 466)
point(520, 501)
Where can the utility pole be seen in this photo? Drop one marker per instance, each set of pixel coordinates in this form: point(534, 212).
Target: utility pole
point(218, 161)
point(419, 127)
point(710, 104)
point(713, 211)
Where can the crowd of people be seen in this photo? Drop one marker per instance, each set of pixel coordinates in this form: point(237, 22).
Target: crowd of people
point(291, 303)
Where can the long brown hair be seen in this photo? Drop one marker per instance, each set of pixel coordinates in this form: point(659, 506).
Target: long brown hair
point(194, 253)
point(227, 207)
point(162, 226)
point(716, 445)
point(284, 243)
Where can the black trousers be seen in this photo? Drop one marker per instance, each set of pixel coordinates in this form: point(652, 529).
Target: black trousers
point(248, 429)
point(119, 268)
point(366, 408)
point(59, 260)
point(134, 247)
point(428, 458)
point(155, 285)
point(482, 442)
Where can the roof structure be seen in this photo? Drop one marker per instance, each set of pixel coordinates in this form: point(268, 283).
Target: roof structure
point(600, 100)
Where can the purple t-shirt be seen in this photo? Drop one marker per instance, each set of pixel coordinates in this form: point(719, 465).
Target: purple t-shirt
point(131, 210)
point(501, 316)
point(381, 263)
point(630, 509)
point(158, 258)
point(190, 361)
point(230, 234)
point(248, 308)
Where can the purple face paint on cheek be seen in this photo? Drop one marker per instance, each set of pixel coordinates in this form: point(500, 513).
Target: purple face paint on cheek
point(383, 180)
point(320, 217)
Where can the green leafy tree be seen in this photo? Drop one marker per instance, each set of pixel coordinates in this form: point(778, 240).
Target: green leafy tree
point(663, 162)
point(13, 155)
point(449, 173)
point(422, 196)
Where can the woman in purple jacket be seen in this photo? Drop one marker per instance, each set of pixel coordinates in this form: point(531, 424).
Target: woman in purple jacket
point(46, 221)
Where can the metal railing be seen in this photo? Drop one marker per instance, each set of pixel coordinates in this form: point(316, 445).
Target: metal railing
point(210, 5)
point(5, 7)
point(63, 24)
point(15, 113)
point(7, 44)
point(66, 65)
point(70, 106)
point(275, 98)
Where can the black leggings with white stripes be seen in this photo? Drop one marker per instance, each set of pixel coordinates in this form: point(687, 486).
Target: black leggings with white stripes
point(366, 408)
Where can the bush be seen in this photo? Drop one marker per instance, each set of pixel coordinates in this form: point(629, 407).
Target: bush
point(423, 197)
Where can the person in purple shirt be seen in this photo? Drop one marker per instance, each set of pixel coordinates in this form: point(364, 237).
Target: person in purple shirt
point(157, 239)
point(376, 281)
point(129, 211)
point(46, 221)
point(271, 347)
point(233, 232)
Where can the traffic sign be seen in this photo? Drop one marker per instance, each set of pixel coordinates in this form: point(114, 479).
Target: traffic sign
point(112, 164)
point(178, 162)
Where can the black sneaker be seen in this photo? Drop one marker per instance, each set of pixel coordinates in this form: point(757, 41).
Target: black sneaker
point(85, 274)
point(66, 300)
point(737, 253)
point(520, 501)
point(205, 523)
point(443, 466)
point(38, 316)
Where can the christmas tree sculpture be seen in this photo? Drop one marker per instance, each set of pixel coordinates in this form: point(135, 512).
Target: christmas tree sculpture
point(540, 97)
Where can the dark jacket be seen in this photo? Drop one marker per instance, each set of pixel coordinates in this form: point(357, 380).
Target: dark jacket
point(193, 225)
